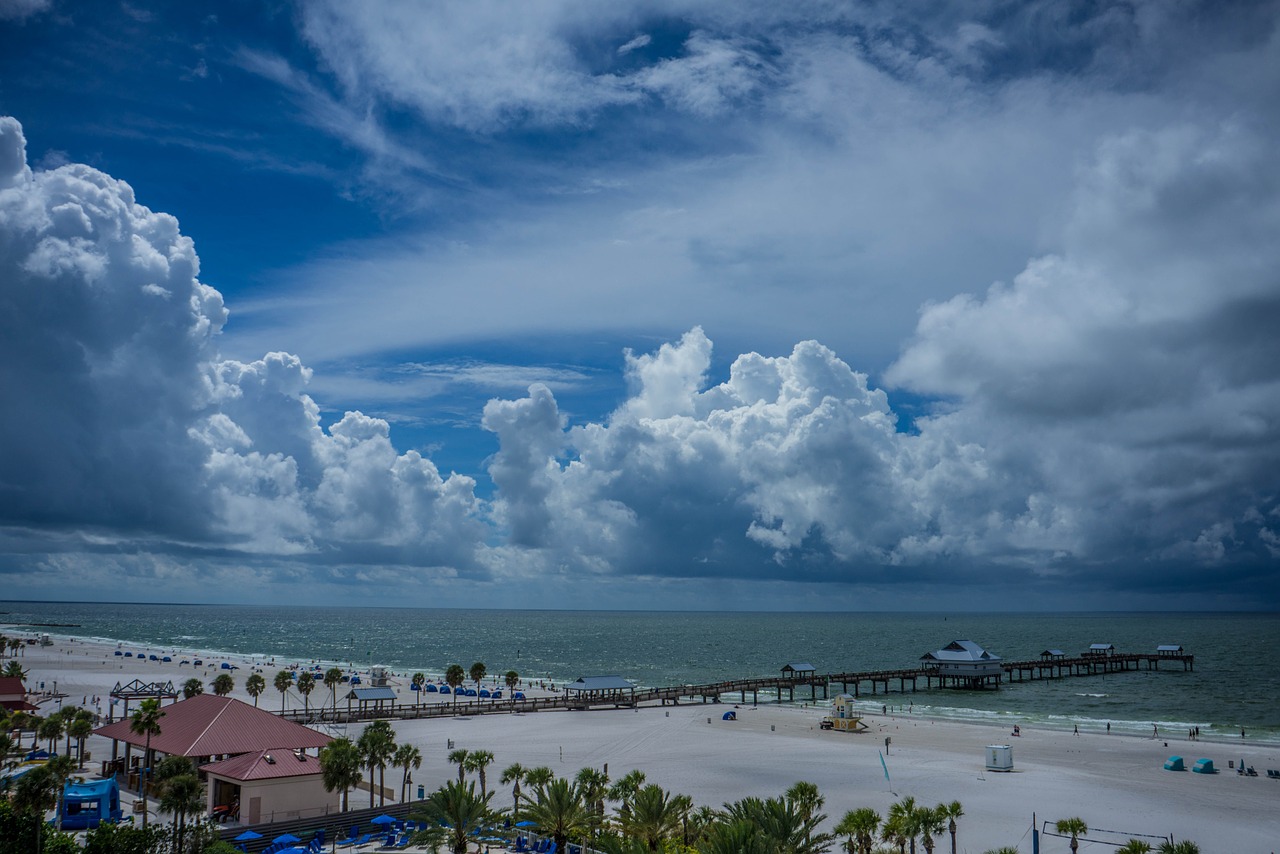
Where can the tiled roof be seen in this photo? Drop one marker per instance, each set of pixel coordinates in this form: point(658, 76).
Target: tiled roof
point(15, 694)
point(958, 651)
point(366, 694)
point(265, 765)
point(209, 725)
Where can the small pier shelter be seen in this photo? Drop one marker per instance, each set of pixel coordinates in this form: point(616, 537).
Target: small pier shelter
point(800, 673)
point(375, 696)
point(600, 690)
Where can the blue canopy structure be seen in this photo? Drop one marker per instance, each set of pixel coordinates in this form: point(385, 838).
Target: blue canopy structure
point(86, 805)
point(248, 835)
point(729, 716)
point(382, 819)
point(1174, 763)
point(429, 688)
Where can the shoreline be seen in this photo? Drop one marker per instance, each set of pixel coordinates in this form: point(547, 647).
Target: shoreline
point(1113, 781)
point(1175, 733)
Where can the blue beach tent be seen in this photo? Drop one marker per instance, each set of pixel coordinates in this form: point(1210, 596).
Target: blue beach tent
point(1204, 766)
point(729, 716)
point(86, 805)
point(444, 689)
point(1174, 763)
point(429, 688)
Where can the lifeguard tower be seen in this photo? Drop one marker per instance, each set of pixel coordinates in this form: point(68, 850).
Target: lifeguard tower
point(843, 716)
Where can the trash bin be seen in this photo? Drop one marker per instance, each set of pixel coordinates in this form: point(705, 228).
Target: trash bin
point(422, 792)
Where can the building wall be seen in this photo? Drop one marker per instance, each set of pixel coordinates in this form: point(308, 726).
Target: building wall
point(284, 799)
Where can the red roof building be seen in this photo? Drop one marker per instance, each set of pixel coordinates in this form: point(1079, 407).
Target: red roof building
point(268, 786)
point(13, 695)
point(209, 725)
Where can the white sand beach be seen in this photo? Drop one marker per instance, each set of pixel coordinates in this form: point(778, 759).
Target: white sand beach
point(1113, 782)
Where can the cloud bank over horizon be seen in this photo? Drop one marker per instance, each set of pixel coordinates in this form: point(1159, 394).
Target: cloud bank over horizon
point(1106, 421)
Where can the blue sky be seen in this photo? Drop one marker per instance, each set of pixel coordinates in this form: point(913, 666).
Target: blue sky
point(655, 304)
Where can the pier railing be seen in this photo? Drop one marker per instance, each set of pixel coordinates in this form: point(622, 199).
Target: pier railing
point(905, 679)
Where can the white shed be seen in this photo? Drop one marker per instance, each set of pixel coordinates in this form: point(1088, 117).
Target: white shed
point(999, 757)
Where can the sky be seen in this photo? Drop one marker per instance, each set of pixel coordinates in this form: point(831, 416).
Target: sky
point(641, 305)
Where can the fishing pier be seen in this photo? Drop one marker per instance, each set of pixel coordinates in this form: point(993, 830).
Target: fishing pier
point(988, 673)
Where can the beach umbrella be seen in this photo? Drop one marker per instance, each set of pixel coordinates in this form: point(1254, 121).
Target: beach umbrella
point(384, 819)
point(248, 835)
point(285, 839)
point(526, 824)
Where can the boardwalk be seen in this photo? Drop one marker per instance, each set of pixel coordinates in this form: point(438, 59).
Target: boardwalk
point(783, 687)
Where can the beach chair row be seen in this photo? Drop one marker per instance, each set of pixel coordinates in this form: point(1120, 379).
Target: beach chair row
point(542, 846)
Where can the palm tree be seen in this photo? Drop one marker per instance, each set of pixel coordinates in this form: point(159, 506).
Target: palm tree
point(1182, 846)
point(340, 762)
point(1134, 846)
point(907, 818)
point(409, 758)
point(191, 688)
point(453, 677)
point(512, 679)
point(1076, 828)
point(736, 836)
point(514, 774)
point(146, 722)
point(283, 682)
point(780, 821)
point(16, 644)
point(1007, 849)
point(806, 798)
point(416, 683)
point(36, 793)
point(894, 830)
point(656, 816)
point(181, 792)
point(332, 679)
point(952, 811)
point(477, 761)
point(539, 776)
point(255, 685)
point(477, 673)
point(559, 812)
point(60, 768)
point(14, 669)
point(223, 684)
point(460, 808)
point(624, 790)
point(594, 785)
point(306, 684)
point(860, 826)
point(459, 757)
point(377, 745)
point(80, 728)
point(51, 728)
point(932, 823)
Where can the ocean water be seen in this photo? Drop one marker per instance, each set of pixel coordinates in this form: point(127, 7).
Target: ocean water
point(1235, 684)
